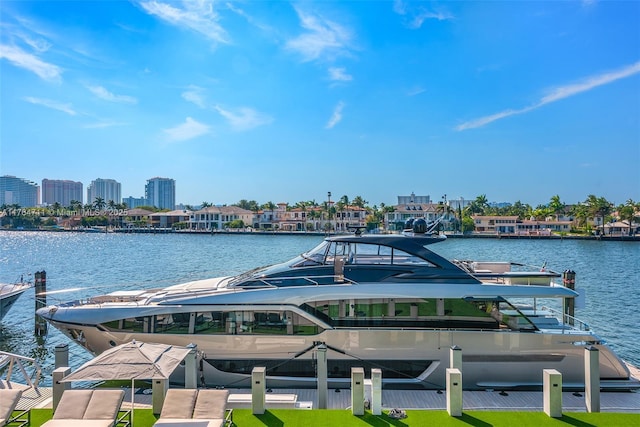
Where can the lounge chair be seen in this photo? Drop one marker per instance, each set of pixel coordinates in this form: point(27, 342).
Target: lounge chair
point(89, 408)
point(195, 408)
point(9, 399)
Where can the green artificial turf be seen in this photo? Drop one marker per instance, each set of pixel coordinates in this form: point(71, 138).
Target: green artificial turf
point(415, 418)
point(343, 418)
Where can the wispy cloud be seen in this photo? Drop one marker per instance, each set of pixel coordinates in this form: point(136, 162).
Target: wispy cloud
point(188, 130)
point(103, 93)
point(417, 15)
point(65, 108)
point(244, 118)
point(194, 94)
point(416, 90)
point(322, 38)
point(103, 125)
point(240, 12)
point(558, 94)
point(336, 117)
point(22, 59)
point(339, 74)
point(198, 16)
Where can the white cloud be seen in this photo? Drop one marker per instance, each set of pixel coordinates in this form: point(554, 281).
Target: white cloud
point(188, 130)
point(558, 94)
point(339, 74)
point(336, 117)
point(65, 108)
point(103, 125)
point(322, 38)
point(25, 60)
point(424, 15)
point(197, 16)
point(103, 93)
point(194, 94)
point(417, 15)
point(244, 118)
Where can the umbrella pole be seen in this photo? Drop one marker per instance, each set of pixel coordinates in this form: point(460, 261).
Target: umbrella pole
point(132, 391)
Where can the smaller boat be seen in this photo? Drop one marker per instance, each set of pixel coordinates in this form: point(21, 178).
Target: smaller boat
point(10, 292)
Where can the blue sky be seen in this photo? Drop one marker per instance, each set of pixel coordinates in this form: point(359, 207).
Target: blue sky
point(278, 101)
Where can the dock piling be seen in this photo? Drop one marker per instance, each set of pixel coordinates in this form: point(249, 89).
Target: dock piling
point(357, 391)
point(454, 392)
point(258, 386)
point(40, 282)
point(552, 388)
point(322, 377)
point(592, 378)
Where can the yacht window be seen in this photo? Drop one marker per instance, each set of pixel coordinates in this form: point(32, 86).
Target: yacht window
point(134, 324)
point(267, 322)
point(404, 258)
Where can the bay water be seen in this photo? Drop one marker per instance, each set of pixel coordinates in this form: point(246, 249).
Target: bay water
point(80, 265)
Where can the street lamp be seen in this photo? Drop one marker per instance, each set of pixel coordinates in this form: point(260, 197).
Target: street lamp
point(329, 207)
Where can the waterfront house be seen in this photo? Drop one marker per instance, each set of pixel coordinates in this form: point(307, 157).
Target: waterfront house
point(495, 224)
point(215, 217)
point(168, 219)
point(621, 228)
point(134, 218)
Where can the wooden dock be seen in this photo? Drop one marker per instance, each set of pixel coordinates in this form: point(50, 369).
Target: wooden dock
point(625, 402)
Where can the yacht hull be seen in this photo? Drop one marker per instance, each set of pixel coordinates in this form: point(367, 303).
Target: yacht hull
point(491, 359)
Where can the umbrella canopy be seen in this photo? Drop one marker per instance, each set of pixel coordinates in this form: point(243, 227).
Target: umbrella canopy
point(132, 361)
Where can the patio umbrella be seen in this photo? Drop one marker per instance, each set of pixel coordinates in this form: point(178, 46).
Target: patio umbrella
point(134, 361)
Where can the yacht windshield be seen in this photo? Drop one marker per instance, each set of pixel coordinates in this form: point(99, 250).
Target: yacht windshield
point(315, 256)
point(245, 276)
point(358, 253)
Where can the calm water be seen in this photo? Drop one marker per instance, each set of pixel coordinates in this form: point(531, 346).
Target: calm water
point(84, 264)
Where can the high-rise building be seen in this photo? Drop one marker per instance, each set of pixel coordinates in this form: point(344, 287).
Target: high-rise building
point(161, 192)
point(61, 191)
point(18, 191)
point(106, 189)
point(134, 202)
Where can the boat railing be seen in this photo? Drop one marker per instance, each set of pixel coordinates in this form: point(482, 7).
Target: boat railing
point(9, 361)
point(278, 282)
point(568, 319)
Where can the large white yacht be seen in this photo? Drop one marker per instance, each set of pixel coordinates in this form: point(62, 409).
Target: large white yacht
point(375, 301)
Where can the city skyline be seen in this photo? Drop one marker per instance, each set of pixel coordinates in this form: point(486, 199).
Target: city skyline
point(165, 193)
point(278, 101)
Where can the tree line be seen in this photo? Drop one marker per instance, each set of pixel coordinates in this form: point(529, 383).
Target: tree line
point(592, 208)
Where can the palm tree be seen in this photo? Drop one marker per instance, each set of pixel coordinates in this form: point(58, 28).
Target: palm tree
point(581, 214)
point(359, 202)
point(75, 207)
point(627, 212)
point(598, 207)
point(205, 204)
point(99, 203)
point(556, 206)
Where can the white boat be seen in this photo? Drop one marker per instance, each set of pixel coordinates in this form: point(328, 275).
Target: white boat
point(9, 293)
point(374, 301)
